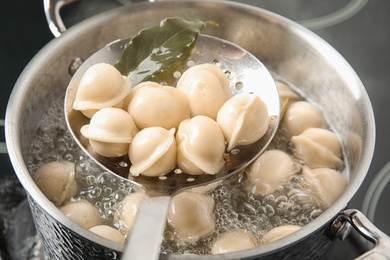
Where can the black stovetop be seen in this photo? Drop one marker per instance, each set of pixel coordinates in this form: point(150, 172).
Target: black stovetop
point(358, 29)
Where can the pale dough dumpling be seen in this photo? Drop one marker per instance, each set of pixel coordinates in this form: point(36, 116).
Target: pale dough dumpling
point(318, 148)
point(300, 116)
point(82, 212)
point(285, 91)
point(101, 86)
point(153, 104)
point(153, 152)
point(279, 232)
point(109, 233)
point(327, 184)
point(57, 181)
point(191, 216)
point(110, 132)
point(268, 172)
point(243, 119)
point(127, 210)
point(207, 89)
point(201, 145)
point(234, 240)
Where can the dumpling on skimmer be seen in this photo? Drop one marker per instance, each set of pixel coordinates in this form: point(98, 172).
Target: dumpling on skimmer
point(153, 104)
point(243, 120)
point(101, 86)
point(201, 146)
point(207, 89)
point(110, 132)
point(153, 152)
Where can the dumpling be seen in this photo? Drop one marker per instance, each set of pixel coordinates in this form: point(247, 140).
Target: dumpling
point(327, 184)
point(109, 233)
point(57, 181)
point(207, 89)
point(268, 172)
point(110, 132)
point(234, 240)
point(285, 91)
point(153, 152)
point(279, 232)
point(201, 146)
point(127, 210)
point(318, 148)
point(191, 216)
point(101, 86)
point(300, 116)
point(82, 212)
point(153, 104)
point(243, 120)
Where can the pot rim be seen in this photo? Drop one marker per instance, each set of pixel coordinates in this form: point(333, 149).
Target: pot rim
point(330, 54)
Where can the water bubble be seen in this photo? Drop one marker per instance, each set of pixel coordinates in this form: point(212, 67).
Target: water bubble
point(91, 180)
point(248, 209)
point(262, 210)
point(315, 213)
point(281, 199)
point(72, 146)
point(95, 192)
point(68, 157)
point(276, 220)
point(106, 178)
point(107, 191)
point(269, 199)
point(108, 204)
point(283, 208)
point(270, 210)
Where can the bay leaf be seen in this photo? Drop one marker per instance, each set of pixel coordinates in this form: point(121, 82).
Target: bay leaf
point(156, 49)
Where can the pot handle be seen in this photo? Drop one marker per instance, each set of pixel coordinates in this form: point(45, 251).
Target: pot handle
point(52, 12)
point(364, 227)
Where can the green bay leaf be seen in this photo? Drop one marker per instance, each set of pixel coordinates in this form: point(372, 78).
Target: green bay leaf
point(155, 50)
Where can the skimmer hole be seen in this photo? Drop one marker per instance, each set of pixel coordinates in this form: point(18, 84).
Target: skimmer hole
point(239, 85)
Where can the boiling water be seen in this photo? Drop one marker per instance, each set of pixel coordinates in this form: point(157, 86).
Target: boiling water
point(234, 207)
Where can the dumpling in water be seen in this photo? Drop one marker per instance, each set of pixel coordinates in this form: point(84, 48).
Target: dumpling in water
point(300, 116)
point(110, 132)
point(243, 120)
point(318, 148)
point(191, 216)
point(153, 104)
point(82, 212)
point(268, 172)
point(57, 181)
point(201, 145)
point(127, 210)
point(207, 89)
point(327, 184)
point(285, 92)
point(279, 232)
point(109, 233)
point(101, 86)
point(234, 240)
point(153, 152)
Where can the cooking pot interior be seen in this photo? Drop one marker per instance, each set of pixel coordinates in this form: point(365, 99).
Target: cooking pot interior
point(287, 49)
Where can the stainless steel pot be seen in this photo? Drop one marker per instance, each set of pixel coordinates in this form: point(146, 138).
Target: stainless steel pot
point(283, 46)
